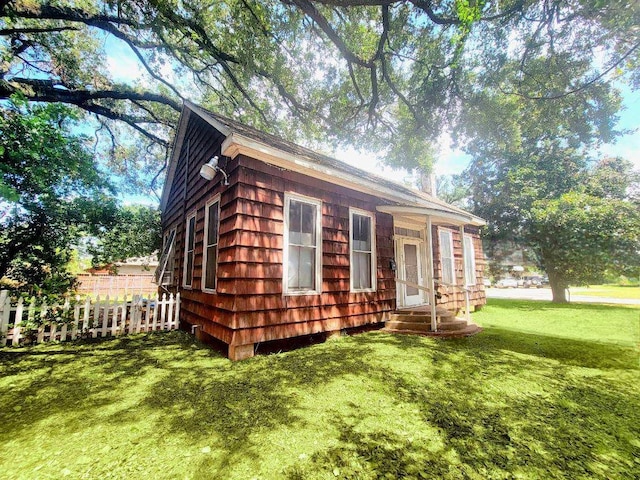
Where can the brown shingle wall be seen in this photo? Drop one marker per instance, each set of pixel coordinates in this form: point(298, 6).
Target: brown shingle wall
point(453, 298)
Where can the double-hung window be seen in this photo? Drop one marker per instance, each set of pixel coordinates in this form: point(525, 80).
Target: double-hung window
point(302, 245)
point(210, 260)
point(362, 249)
point(189, 247)
point(469, 261)
point(446, 257)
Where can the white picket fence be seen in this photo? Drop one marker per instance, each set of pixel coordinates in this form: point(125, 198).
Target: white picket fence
point(28, 321)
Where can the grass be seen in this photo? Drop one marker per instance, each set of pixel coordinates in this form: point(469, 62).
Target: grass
point(544, 392)
point(613, 291)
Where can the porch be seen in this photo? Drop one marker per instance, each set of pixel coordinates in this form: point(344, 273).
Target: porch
point(435, 270)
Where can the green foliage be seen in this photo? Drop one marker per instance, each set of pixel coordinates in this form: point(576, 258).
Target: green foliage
point(581, 237)
point(56, 194)
point(135, 232)
point(389, 75)
point(546, 391)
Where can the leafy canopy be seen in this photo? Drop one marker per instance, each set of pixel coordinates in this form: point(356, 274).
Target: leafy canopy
point(388, 75)
point(52, 192)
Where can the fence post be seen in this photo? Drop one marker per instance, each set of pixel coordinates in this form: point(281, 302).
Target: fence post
point(167, 326)
point(5, 311)
point(17, 321)
point(176, 320)
point(43, 312)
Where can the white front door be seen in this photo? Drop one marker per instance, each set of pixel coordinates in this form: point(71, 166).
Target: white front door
point(410, 269)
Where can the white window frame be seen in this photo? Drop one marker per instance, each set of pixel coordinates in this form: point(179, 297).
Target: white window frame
point(447, 233)
point(205, 245)
point(187, 232)
point(167, 258)
point(374, 263)
point(288, 196)
point(469, 261)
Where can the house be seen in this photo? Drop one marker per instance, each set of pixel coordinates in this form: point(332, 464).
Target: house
point(267, 240)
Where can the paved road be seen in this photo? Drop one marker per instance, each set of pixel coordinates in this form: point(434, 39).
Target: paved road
point(545, 294)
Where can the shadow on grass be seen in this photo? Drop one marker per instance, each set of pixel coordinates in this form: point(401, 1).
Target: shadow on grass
point(496, 416)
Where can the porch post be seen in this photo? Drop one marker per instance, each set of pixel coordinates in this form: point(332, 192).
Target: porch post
point(464, 275)
point(430, 275)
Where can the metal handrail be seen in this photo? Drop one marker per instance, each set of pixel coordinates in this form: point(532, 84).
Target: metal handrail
point(414, 285)
point(459, 287)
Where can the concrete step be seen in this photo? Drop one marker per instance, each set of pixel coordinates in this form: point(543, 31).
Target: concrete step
point(452, 325)
point(413, 326)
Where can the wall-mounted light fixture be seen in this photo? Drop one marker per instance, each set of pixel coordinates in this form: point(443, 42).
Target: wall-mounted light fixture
point(209, 170)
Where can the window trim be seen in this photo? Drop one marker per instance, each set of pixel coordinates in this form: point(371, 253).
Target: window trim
point(374, 262)
point(186, 250)
point(288, 196)
point(470, 262)
point(205, 245)
point(442, 259)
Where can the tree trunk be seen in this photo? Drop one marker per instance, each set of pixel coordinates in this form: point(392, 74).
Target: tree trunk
point(558, 289)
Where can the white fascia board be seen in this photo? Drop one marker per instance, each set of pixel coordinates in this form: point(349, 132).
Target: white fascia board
point(454, 218)
point(236, 144)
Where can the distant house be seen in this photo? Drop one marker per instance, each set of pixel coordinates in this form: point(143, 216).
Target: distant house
point(279, 241)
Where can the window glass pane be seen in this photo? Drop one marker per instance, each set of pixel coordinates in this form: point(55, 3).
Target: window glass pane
point(361, 232)
point(212, 230)
point(308, 222)
point(192, 233)
point(302, 272)
point(307, 271)
point(295, 215)
point(294, 261)
point(362, 270)
point(469, 261)
point(189, 275)
point(210, 272)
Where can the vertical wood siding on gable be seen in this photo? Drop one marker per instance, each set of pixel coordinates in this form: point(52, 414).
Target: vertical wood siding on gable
point(213, 313)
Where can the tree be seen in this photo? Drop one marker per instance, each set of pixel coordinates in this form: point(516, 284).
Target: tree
point(136, 232)
point(51, 191)
point(387, 74)
point(579, 237)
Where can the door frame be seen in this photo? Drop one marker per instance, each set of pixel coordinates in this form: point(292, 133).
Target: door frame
point(401, 297)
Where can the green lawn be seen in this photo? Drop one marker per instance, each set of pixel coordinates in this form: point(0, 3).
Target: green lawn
point(613, 291)
point(544, 392)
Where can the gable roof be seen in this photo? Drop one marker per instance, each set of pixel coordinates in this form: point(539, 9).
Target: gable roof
point(243, 139)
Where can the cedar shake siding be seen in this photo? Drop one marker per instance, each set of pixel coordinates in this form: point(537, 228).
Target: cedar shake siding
point(453, 298)
point(248, 305)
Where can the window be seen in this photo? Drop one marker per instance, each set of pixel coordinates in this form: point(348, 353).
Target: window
point(302, 245)
point(446, 257)
point(210, 260)
point(469, 260)
point(164, 272)
point(190, 242)
point(363, 260)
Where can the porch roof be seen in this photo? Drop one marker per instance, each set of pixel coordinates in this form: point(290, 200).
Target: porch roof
point(418, 214)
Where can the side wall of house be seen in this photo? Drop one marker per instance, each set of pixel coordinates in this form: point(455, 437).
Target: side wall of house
point(212, 313)
point(453, 298)
point(255, 273)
